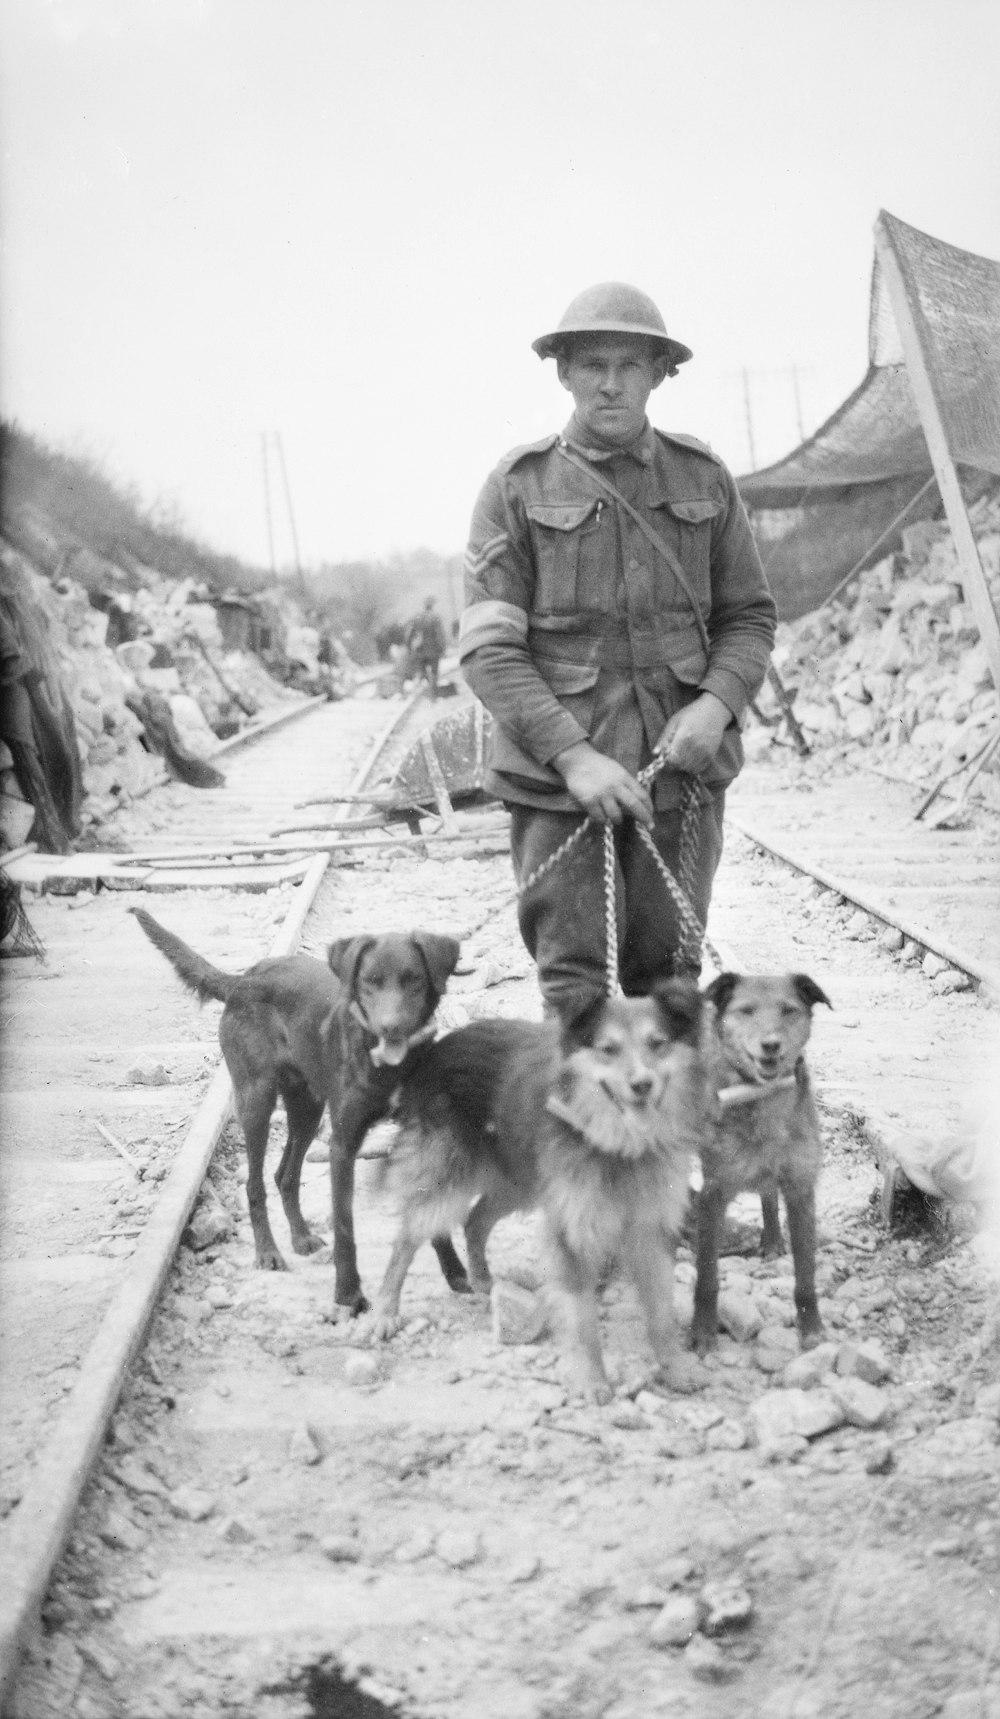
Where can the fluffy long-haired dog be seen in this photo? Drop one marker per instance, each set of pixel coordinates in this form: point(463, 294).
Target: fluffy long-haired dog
point(344, 1034)
point(595, 1123)
point(766, 1135)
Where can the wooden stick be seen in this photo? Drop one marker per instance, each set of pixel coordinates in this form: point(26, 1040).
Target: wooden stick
point(801, 743)
point(338, 824)
point(138, 1169)
point(436, 775)
point(164, 856)
point(979, 758)
point(913, 340)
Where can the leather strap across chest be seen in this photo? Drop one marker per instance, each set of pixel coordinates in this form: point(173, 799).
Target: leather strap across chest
point(651, 536)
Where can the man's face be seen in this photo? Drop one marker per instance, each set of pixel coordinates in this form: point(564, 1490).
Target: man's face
point(611, 377)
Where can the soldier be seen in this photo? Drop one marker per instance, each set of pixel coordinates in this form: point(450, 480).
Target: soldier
point(425, 644)
point(616, 610)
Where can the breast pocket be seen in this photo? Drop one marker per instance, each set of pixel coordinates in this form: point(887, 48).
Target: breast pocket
point(562, 534)
point(688, 528)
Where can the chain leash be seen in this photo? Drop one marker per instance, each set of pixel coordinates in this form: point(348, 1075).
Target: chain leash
point(680, 889)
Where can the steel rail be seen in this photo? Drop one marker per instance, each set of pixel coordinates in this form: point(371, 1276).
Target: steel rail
point(33, 1537)
point(981, 971)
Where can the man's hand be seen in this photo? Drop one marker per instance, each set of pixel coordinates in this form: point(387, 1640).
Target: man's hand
point(604, 788)
point(692, 737)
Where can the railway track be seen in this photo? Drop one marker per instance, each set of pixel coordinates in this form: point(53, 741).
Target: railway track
point(324, 1467)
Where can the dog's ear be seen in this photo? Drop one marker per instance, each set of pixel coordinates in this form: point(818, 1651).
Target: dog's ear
point(808, 991)
point(344, 957)
point(679, 1002)
point(720, 992)
point(440, 957)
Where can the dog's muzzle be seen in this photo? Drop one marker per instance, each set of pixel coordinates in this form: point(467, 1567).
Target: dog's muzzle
point(387, 1053)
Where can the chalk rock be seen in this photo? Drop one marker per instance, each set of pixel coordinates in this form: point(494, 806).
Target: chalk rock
point(865, 1361)
point(340, 1549)
point(706, 1661)
point(647, 1597)
point(361, 1369)
point(726, 1605)
point(122, 1534)
point(628, 1417)
point(728, 1435)
point(864, 1405)
point(303, 1447)
point(676, 1622)
point(804, 1371)
point(191, 1503)
point(739, 1315)
point(518, 1316)
point(146, 1071)
point(794, 1414)
point(210, 1224)
point(236, 1532)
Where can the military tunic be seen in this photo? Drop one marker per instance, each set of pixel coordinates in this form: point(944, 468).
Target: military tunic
point(576, 628)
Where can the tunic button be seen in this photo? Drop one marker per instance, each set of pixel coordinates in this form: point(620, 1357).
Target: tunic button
point(633, 565)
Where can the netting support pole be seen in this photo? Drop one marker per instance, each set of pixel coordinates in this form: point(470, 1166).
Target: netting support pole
point(974, 586)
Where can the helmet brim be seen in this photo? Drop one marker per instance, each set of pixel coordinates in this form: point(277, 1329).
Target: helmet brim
point(550, 345)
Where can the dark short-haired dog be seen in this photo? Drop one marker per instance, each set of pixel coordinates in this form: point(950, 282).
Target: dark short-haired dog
point(766, 1134)
point(595, 1123)
point(344, 1034)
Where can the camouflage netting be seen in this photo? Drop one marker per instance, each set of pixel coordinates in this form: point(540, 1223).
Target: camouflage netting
point(817, 512)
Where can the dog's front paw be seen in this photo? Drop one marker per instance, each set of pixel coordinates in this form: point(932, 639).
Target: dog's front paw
point(811, 1335)
point(385, 1325)
point(772, 1247)
point(683, 1374)
point(586, 1382)
point(269, 1259)
point(704, 1337)
point(349, 1309)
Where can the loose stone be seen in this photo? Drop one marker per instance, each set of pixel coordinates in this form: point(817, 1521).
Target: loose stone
point(518, 1315)
point(726, 1605)
point(676, 1623)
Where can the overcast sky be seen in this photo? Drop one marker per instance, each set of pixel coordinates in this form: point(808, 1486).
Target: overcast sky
point(345, 222)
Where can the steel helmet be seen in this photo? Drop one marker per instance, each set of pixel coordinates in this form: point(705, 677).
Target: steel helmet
point(613, 308)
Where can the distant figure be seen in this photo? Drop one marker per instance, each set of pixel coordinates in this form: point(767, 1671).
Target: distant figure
point(425, 644)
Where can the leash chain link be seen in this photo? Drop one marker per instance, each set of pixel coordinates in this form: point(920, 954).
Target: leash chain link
point(680, 890)
point(610, 918)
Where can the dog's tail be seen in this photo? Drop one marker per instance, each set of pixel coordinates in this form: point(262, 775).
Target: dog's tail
point(197, 974)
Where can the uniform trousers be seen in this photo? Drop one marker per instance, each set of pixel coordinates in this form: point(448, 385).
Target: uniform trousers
point(563, 917)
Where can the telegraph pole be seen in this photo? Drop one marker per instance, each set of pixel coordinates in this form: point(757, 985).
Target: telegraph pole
point(291, 517)
point(798, 403)
point(267, 503)
point(749, 418)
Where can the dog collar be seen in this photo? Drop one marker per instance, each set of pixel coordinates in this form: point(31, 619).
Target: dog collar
point(750, 1092)
point(377, 1054)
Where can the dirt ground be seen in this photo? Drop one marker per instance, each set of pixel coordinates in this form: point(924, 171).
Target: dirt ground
point(291, 1519)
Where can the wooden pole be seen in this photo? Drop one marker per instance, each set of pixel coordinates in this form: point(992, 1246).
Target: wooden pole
point(267, 503)
point(291, 516)
point(974, 584)
point(749, 419)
